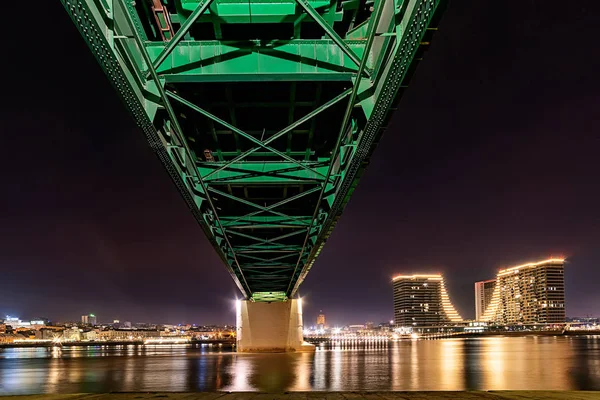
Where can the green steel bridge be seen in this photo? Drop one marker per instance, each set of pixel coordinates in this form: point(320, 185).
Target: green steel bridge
point(264, 112)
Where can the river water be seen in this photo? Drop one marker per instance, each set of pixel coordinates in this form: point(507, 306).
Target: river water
point(488, 363)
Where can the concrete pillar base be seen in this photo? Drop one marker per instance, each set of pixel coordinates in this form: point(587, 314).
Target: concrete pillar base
point(270, 327)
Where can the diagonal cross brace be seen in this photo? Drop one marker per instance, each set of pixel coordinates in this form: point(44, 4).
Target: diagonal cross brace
point(278, 204)
point(286, 250)
point(270, 260)
point(200, 9)
point(266, 241)
point(272, 247)
point(282, 132)
point(251, 173)
point(249, 203)
point(239, 131)
point(334, 36)
point(244, 235)
point(251, 257)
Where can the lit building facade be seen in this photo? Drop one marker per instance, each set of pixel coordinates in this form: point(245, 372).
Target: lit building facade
point(484, 291)
point(88, 319)
point(528, 294)
point(127, 334)
point(15, 322)
point(422, 300)
point(321, 320)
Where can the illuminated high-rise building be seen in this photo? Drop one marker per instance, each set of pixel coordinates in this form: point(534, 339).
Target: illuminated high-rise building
point(88, 319)
point(528, 294)
point(422, 300)
point(483, 296)
point(321, 320)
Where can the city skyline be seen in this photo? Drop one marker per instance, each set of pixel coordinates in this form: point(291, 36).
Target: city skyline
point(484, 291)
point(319, 310)
point(484, 164)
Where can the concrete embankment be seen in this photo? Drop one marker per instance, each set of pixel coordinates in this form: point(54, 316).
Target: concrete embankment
point(435, 395)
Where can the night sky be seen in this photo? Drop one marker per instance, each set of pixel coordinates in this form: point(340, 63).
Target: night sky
point(490, 161)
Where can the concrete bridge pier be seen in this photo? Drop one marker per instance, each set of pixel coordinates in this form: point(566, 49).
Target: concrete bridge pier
point(270, 327)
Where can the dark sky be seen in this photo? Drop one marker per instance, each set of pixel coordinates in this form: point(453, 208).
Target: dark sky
point(491, 160)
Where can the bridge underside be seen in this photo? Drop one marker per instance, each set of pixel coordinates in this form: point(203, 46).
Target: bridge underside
point(264, 112)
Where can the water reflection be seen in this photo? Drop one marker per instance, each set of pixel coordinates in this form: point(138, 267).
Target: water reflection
point(491, 367)
point(451, 364)
point(303, 366)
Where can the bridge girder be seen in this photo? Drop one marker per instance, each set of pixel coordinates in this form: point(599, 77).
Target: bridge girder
point(265, 115)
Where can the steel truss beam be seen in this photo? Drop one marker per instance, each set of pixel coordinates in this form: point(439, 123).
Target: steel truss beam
point(294, 198)
point(262, 209)
point(262, 241)
point(257, 11)
point(270, 260)
point(259, 77)
point(293, 60)
point(261, 173)
point(278, 204)
point(264, 222)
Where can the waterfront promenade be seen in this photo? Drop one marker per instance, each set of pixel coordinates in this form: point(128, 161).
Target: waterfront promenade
point(433, 395)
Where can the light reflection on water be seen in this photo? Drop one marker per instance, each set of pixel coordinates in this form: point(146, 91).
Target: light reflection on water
point(451, 364)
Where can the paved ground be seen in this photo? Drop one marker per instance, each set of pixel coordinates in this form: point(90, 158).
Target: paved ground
point(492, 395)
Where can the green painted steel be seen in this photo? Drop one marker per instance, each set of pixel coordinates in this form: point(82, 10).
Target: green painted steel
point(264, 112)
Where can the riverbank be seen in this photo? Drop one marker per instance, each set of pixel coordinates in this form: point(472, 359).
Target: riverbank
point(471, 395)
point(313, 340)
point(456, 335)
point(509, 334)
point(229, 343)
point(523, 333)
